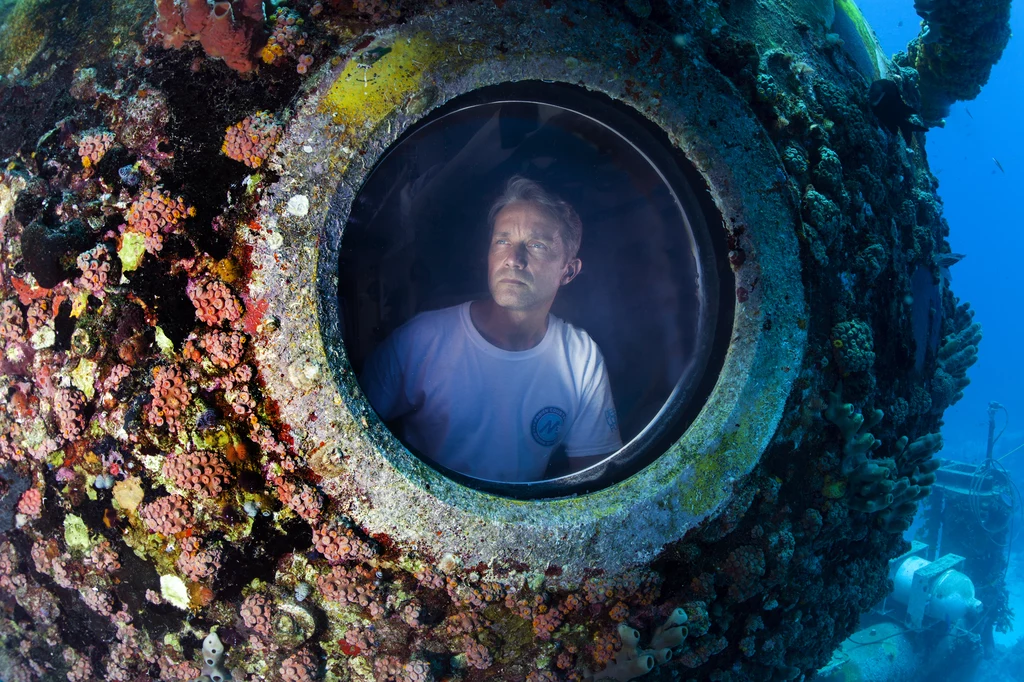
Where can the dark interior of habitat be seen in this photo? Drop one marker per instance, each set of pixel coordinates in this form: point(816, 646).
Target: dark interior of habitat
point(655, 290)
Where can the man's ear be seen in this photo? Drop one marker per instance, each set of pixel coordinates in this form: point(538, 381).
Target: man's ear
point(572, 269)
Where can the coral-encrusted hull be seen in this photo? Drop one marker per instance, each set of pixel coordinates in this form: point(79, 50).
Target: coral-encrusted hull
point(191, 481)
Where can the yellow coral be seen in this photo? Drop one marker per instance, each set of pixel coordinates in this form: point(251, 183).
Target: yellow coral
point(271, 53)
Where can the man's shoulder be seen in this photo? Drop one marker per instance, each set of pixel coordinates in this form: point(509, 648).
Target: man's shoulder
point(431, 323)
point(576, 341)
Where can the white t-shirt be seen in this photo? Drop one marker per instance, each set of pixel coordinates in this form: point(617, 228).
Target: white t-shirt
point(487, 412)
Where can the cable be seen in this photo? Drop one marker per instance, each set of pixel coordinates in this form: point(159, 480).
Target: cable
point(1019, 447)
point(996, 473)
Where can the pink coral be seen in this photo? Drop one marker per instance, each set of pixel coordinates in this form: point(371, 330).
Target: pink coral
point(168, 515)
point(178, 670)
point(95, 267)
point(429, 578)
point(339, 544)
point(69, 406)
point(299, 667)
point(31, 503)
point(12, 323)
point(202, 473)
point(465, 622)
point(391, 669)
point(546, 621)
point(346, 587)
point(94, 145)
point(388, 669)
point(81, 668)
point(155, 214)
point(170, 396)
point(196, 562)
point(44, 553)
point(361, 638)
point(255, 612)
point(39, 314)
point(227, 30)
point(214, 302)
point(417, 671)
point(477, 655)
point(8, 559)
point(224, 348)
point(117, 373)
point(411, 614)
point(103, 558)
point(252, 139)
point(303, 499)
point(99, 601)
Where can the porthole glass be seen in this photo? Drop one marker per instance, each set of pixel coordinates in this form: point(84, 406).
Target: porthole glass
point(491, 349)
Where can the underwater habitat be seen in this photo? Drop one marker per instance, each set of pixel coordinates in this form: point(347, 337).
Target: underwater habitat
point(511, 340)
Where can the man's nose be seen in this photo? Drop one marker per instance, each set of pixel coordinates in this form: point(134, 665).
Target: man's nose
point(516, 257)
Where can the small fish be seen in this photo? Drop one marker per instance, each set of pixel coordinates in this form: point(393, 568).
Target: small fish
point(900, 24)
point(968, 112)
point(998, 165)
point(947, 260)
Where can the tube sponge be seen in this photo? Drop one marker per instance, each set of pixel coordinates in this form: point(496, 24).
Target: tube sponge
point(630, 663)
point(213, 654)
point(672, 632)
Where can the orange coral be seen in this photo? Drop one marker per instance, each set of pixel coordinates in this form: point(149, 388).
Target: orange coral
point(215, 303)
point(155, 214)
point(31, 503)
point(95, 266)
point(170, 397)
point(340, 544)
point(12, 322)
point(168, 515)
point(225, 349)
point(252, 139)
point(196, 562)
point(69, 406)
point(94, 145)
point(255, 612)
point(202, 473)
point(298, 667)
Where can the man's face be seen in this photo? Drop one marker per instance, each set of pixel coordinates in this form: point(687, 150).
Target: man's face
point(527, 262)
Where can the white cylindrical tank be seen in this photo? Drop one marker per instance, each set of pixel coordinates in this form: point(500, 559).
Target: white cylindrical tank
point(950, 594)
point(904, 578)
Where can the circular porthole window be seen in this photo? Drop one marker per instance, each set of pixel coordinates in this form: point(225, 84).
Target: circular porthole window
point(533, 290)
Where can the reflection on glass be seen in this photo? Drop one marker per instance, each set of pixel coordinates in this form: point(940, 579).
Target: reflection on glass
point(491, 388)
point(478, 335)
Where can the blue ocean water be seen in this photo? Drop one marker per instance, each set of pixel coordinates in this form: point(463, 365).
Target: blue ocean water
point(982, 208)
point(979, 160)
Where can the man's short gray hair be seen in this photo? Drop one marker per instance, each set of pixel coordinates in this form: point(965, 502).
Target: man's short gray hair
point(523, 190)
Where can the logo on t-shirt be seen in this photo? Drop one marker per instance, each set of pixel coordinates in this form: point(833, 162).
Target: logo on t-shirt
point(546, 425)
point(612, 419)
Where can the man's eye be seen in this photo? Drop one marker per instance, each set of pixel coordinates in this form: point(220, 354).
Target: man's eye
point(539, 245)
